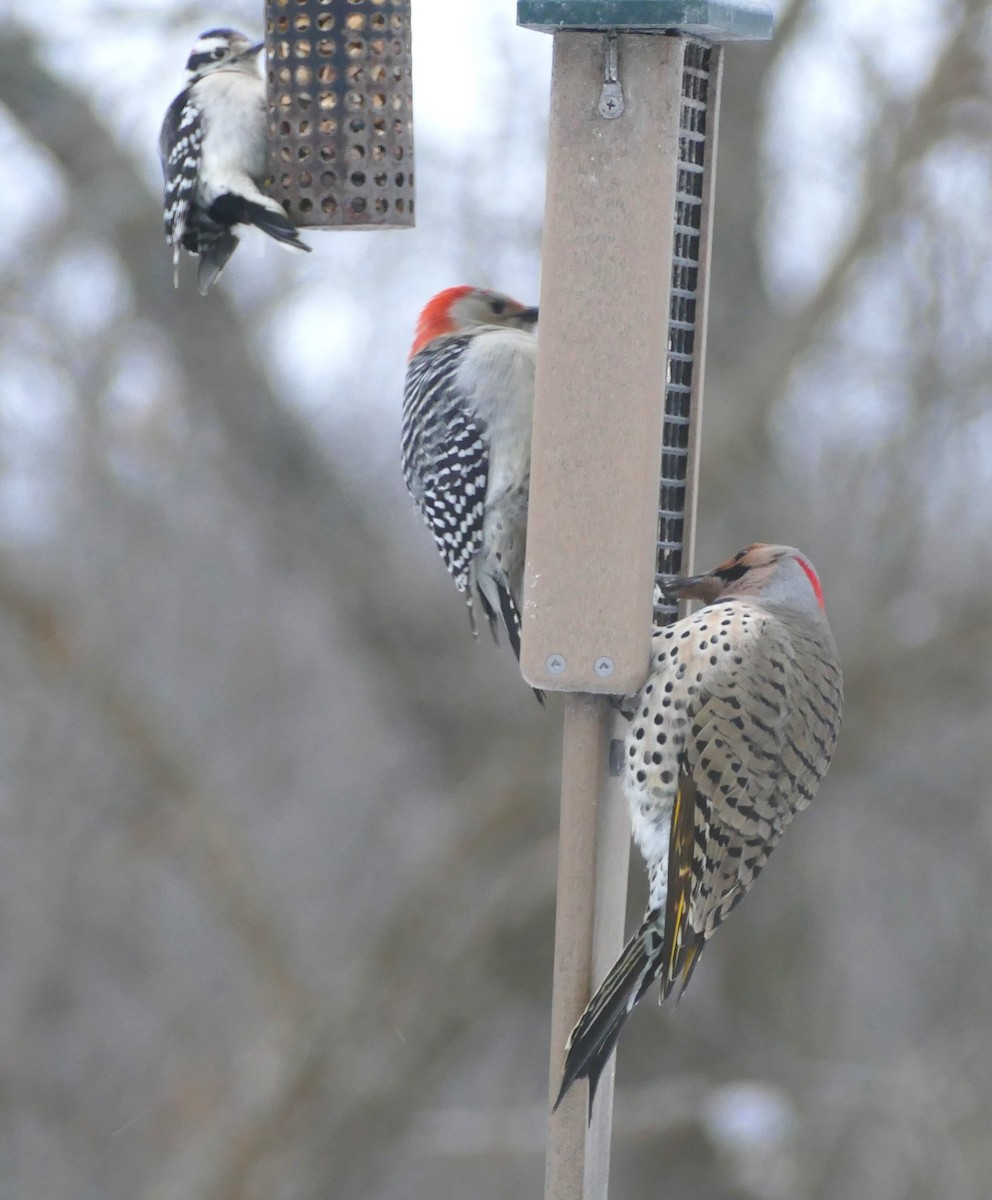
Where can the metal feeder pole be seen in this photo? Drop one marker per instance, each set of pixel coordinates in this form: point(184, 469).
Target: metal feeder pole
point(631, 152)
point(341, 112)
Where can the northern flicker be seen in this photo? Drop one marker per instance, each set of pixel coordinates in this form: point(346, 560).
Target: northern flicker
point(731, 735)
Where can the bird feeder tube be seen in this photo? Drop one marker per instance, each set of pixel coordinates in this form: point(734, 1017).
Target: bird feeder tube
point(699, 115)
point(340, 102)
point(613, 469)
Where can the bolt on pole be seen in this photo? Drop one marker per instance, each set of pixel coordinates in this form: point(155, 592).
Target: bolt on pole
point(634, 97)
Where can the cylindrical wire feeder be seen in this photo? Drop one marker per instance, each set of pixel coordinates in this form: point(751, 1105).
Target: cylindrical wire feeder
point(341, 112)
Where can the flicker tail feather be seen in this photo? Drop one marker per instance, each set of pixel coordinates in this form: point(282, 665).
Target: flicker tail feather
point(682, 942)
point(592, 1040)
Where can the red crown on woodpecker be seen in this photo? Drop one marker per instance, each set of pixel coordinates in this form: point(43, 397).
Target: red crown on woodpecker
point(435, 317)
point(463, 308)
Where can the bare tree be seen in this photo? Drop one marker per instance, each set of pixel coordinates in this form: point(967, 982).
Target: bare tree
point(279, 837)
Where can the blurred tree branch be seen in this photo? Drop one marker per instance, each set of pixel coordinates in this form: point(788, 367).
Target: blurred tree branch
point(392, 1043)
point(750, 372)
point(316, 524)
point(432, 995)
point(316, 521)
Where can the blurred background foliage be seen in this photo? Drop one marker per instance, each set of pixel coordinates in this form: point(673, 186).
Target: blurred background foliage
point(278, 839)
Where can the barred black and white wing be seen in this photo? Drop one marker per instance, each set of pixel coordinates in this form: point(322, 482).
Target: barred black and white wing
point(445, 456)
point(180, 149)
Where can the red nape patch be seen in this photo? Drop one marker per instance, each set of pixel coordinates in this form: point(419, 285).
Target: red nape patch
point(814, 579)
point(435, 318)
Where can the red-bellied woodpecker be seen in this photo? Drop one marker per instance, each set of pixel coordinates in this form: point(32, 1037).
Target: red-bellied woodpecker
point(467, 413)
point(732, 733)
point(212, 147)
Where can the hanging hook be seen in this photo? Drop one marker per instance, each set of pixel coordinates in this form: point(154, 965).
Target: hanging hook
point(611, 97)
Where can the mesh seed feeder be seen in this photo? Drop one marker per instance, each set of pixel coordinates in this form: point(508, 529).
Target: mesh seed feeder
point(341, 112)
point(624, 274)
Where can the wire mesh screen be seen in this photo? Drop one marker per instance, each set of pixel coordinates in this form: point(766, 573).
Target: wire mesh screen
point(341, 111)
point(682, 318)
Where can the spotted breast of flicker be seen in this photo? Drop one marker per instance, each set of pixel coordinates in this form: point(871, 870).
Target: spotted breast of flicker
point(731, 735)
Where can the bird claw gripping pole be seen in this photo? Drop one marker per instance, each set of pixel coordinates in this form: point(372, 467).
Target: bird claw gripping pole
point(619, 377)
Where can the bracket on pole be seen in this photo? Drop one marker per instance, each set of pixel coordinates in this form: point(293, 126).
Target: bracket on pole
point(610, 105)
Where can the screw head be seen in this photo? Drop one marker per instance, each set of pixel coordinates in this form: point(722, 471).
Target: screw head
point(603, 666)
point(556, 664)
point(610, 104)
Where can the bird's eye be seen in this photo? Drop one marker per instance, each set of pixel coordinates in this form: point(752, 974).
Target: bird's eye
point(218, 53)
point(498, 306)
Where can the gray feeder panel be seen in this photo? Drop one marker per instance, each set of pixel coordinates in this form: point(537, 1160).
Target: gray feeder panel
point(700, 23)
point(684, 335)
point(341, 112)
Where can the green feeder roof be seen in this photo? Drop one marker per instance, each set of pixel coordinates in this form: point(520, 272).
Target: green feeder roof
point(716, 20)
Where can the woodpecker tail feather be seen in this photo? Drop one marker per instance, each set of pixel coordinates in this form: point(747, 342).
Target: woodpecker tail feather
point(500, 608)
point(214, 254)
point(508, 616)
point(276, 224)
point(232, 209)
point(488, 612)
point(591, 1042)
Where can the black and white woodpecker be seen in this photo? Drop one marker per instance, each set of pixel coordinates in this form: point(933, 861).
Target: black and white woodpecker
point(212, 148)
point(467, 414)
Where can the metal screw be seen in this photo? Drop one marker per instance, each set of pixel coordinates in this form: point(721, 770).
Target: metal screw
point(603, 667)
point(610, 104)
point(556, 664)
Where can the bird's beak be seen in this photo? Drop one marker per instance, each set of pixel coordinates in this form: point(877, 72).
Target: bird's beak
point(527, 316)
point(694, 587)
point(252, 51)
